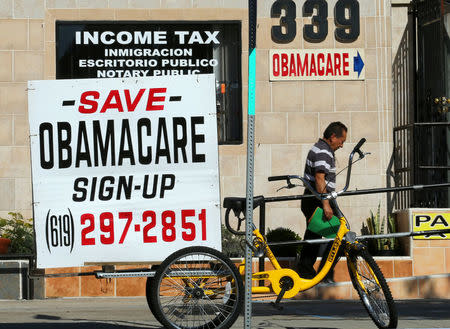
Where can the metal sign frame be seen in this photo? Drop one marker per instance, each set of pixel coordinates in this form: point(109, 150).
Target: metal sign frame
point(250, 159)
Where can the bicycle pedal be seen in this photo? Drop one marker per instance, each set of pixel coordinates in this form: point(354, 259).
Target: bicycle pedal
point(277, 306)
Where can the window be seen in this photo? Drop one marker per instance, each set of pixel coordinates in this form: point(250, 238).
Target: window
point(114, 49)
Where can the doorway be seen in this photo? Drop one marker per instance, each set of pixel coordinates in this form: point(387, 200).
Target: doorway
point(421, 78)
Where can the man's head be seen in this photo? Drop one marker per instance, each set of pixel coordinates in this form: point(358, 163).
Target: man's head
point(335, 135)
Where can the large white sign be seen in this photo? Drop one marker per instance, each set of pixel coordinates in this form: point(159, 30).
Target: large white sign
point(124, 170)
point(316, 64)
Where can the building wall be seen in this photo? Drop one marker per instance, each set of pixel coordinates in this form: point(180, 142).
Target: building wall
point(290, 116)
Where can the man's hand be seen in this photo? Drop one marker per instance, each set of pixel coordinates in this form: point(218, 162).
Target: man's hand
point(322, 188)
point(327, 211)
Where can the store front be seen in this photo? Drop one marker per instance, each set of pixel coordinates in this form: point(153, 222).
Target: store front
point(361, 71)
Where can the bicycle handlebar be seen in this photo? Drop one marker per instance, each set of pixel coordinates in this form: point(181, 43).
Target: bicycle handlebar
point(274, 178)
point(324, 196)
point(228, 225)
point(358, 146)
point(356, 149)
point(320, 196)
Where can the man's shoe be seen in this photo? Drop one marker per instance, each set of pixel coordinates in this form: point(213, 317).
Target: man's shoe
point(327, 280)
point(304, 271)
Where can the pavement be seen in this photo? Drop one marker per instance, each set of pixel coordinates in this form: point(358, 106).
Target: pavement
point(121, 313)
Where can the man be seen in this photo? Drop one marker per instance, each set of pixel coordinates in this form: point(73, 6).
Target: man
point(320, 171)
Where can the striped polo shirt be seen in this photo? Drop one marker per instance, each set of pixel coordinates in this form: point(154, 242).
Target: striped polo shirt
point(321, 159)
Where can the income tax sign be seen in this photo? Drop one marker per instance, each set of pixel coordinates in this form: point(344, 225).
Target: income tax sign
point(124, 170)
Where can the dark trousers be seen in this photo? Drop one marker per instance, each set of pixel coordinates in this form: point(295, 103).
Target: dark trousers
point(310, 252)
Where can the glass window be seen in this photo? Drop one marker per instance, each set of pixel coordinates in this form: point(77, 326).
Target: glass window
point(113, 49)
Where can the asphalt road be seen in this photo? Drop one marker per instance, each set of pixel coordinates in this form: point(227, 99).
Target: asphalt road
point(121, 313)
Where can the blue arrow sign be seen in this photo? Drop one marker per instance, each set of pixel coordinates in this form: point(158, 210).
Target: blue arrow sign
point(358, 64)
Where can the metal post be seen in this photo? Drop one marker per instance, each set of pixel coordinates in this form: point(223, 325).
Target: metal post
point(250, 158)
point(363, 237)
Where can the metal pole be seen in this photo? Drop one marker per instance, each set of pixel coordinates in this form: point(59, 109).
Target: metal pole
point(364, 237)
point(358, 192)
point(250, 158)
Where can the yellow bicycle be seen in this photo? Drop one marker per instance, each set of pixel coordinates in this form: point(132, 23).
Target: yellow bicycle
point(199, 287)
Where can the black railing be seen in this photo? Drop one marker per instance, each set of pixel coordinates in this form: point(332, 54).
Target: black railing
point(421, 125)
point(404, 86)
point(422, 158)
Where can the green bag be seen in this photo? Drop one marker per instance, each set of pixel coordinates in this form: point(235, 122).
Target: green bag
point(327, 229)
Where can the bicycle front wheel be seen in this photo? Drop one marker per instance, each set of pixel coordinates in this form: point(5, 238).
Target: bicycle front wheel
point(197, 288)
point(372, 288)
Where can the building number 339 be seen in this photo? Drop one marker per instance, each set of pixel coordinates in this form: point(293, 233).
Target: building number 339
point(346, 19)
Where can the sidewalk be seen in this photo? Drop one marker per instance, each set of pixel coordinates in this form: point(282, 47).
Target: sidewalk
point(121, 313)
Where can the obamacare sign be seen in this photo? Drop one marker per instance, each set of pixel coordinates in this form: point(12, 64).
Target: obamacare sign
point(317, 64)
point(124, 170)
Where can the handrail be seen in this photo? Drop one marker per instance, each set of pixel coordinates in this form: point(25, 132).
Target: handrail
point(364, 237)
point(358, 192)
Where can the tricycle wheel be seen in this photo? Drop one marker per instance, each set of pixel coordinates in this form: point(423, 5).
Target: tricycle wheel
point(196, 288)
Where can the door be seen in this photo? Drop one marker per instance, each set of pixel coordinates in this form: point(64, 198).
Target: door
point(431, 127)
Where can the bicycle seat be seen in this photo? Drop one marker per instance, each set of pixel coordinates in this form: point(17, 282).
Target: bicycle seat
point(238, 204)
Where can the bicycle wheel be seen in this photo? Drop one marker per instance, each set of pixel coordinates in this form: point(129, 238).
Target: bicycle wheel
point(196, 288)
point(372, 288)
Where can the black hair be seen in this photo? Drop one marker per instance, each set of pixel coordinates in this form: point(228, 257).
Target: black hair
point(336, 128)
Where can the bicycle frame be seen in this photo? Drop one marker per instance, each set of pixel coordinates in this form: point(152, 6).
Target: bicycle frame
point(195, 281)
point(298, 283)
point(286, 283)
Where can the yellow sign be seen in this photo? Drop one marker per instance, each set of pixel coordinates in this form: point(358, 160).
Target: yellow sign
point(428, 221)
